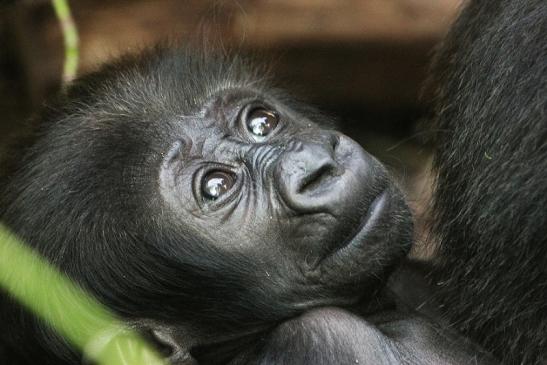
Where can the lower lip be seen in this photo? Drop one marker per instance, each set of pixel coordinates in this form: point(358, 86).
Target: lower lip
point(370, 219)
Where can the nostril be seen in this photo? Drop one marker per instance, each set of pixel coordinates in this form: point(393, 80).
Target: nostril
point(307, 175)
point(316, 177)
point(334, 142)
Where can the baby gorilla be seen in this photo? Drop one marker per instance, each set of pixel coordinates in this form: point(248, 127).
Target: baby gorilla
point(215, 214)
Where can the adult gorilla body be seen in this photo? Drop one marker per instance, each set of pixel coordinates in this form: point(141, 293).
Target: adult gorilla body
point(256, 236)
point(490, 213)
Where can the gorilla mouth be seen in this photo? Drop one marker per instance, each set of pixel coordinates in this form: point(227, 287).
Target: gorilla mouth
point(369, 221)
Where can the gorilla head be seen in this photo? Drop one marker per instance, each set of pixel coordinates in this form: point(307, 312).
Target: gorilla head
point(182, 190)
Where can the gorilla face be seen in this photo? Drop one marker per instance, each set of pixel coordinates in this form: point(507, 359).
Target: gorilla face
point(250, 176)
point(184, 190)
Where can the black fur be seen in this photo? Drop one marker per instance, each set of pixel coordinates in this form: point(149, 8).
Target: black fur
point(490, 208)
point(102, 194)
point(110, 194)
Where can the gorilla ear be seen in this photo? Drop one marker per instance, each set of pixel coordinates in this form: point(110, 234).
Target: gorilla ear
point(171, 344)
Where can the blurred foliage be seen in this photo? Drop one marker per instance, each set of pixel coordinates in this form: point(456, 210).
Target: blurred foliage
point(67, 308)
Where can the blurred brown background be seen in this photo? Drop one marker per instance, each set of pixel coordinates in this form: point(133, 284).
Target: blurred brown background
point(363, 61)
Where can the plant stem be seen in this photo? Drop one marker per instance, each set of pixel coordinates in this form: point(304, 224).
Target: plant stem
point(70, 36)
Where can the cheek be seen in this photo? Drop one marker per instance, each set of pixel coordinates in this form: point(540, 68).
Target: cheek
point(305, 234)
point(254, 229)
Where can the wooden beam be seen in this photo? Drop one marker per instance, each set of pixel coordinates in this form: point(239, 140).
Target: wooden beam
point(373, 51)
point(265, 22)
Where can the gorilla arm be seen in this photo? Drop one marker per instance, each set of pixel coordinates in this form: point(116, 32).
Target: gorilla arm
point(401, 326)
point(337, 336)
point(395, 334)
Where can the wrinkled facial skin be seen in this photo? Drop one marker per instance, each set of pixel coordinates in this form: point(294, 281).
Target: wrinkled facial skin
point(318, 215)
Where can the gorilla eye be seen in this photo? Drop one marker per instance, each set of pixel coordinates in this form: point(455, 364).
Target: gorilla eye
point(217, 183)
point(262, 122)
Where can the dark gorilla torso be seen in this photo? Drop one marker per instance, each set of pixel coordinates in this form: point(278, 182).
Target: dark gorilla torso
point(490, 212)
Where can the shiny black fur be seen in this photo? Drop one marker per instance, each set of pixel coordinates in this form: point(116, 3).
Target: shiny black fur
point(87, 196)
point(490, 209)
point(286, 268)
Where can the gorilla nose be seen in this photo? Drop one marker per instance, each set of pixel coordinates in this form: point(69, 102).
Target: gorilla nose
point(306, 172)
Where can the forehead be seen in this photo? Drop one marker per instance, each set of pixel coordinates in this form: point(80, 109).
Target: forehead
point(165, 81)
point(222, 112)
point(177, 89)
point(191, 79)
